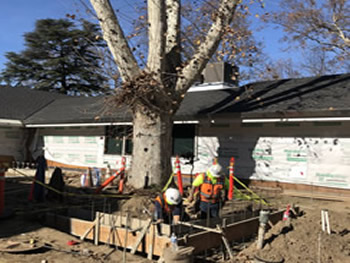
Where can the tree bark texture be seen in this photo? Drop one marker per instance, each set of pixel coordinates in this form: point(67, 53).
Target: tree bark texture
point(156, 39)
point(152, 144)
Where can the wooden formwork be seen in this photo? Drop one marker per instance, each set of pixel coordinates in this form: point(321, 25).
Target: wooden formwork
point(134, 233)
point(241, 230)
point(119, 231)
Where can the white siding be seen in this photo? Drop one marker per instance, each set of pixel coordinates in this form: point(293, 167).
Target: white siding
point(80, 146)
point(308, 153)
point(12, 142)
point(311, 153)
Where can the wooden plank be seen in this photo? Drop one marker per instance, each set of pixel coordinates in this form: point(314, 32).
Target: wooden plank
point(200, 227)
point(151, 242)
point(204, 240)
point(117, 219)
point(141, 236)
point(77, 227)
point(89, 229)
point(134, 223)
point(97, 229)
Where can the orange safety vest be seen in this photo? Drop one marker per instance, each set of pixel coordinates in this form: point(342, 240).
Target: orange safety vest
point(210, 192)
point(163, 204)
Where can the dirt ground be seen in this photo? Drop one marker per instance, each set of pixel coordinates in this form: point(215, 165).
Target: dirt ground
point(26, 227)
point(304, 241)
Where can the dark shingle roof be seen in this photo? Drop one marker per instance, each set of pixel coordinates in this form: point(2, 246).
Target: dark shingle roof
point(79, 110)
point(20, 103)
point(99, 109)
point(313, 94)
point(204, 102)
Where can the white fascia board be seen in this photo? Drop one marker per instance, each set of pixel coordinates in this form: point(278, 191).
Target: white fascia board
point(211, 87)
point(94, 124)
point(7, 122)
point(76, 124)
point(186, 122)
point(296, 119)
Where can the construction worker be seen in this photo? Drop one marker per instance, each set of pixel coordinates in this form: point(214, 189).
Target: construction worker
point(210, 184)
point(168, 206)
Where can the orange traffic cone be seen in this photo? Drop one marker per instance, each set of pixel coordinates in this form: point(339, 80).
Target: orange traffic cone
point(122, 175)
point(286, 213)
point(179, 176)
point(231, 176)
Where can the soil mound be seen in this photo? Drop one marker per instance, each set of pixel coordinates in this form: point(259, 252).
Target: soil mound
point(304, 240)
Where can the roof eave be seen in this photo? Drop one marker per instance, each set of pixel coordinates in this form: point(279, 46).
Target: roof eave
point(10, 122)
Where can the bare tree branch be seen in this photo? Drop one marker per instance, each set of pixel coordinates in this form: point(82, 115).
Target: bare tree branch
point(340, 31)
point(173, 8)
point(206, 49)
point(114, 36)
point(156, 32)
point(173, 40)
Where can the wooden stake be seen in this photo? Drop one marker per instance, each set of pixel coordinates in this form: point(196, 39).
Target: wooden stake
point(141, 236)
point(89, 229)
point(97, 228)
point(319, 249)
point(221, 246)
point(126, 237)
point(227, 245)
point(151, 243)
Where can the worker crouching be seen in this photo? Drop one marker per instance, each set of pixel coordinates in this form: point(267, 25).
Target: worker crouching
point(211, 185)
point(168, 207)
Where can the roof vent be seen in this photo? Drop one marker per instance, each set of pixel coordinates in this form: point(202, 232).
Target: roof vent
point(221, 72)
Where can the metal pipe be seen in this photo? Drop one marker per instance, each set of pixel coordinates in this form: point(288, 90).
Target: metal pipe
point(263, 219)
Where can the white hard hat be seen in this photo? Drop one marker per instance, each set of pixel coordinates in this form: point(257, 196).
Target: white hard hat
point(172, 196)
point(215, 170)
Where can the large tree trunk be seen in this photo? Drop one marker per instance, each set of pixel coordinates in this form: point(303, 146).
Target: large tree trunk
point(152, 148)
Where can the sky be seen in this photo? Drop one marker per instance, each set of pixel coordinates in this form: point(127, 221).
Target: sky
point(18, 17)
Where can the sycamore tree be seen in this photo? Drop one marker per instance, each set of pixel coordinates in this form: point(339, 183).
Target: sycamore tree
point(237, 46)
point(59, 57)
point(320, 28)
point(154, 92)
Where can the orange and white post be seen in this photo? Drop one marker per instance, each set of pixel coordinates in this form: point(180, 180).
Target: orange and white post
point(178, 174)
point(122, 175)
point(231, 176)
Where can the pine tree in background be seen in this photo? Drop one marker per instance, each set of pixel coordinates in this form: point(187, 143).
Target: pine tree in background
point(59, 57)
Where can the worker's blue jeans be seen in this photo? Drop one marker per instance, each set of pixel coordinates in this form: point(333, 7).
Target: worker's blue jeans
point(212, 209)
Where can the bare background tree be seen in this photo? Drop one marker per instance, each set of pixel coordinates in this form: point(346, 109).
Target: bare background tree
point(320, 28)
